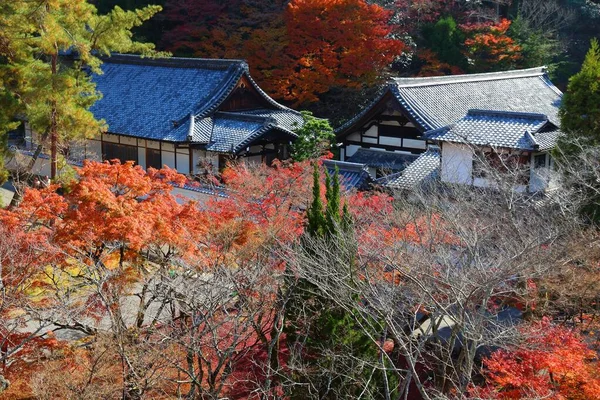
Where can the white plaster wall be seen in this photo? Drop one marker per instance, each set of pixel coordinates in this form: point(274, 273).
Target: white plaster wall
point(391, 141)
point(457, 164)
point(541, 178)
point(212, 158)
point(168, 158)
point(372, 140)
point(415, 144)
point(129, 141)
point(153, 144)
point(142, 157)
point(183, 163)
point(372, 131)
point(107, 137)
point(351, 149)
point(167, 146)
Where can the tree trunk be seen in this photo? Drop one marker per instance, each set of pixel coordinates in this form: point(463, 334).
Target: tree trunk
point(53, 128)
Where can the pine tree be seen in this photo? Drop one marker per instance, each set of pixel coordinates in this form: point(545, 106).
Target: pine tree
point(315, 137)
point(54, 94)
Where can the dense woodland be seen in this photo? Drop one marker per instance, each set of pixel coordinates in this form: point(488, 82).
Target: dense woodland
point(290, 287)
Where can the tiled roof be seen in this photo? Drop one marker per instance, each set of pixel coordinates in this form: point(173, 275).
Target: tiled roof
point(435, 102)
point(287, 119)
point(149, 97)
point(423, 170)
point(352, 175)
point(232, 132)
point(512, 130)
point(547, 139)
point(382, 159)
point(175, 99)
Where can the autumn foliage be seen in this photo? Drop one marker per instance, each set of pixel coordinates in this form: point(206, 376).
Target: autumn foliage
point(172, 297)
point(556, 363)
point(489, 47)
point(296, 51)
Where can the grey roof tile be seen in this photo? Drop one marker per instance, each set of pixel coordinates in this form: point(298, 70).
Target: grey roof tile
point(422, 171)
point(149, 98)
point(514, 130)
point(176, 99)
point(287, 119)
point(232, 132)
point(352, 175)
point(382, 159)
point(547, 139)
point(435, 102)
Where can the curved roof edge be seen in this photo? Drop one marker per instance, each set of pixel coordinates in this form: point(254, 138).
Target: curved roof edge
point(487, 76)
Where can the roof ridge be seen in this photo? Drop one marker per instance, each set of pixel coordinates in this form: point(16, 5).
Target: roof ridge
point(347, 164)
point(244, 117)
point(487, 76)
point(175, 62)
point(502, 113)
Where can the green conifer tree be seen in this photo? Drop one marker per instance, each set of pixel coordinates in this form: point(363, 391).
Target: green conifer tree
point(317, 322)
point(332, 212)
point(315, 137)
point(315, 220)
point(580, 120)
point(580, 108)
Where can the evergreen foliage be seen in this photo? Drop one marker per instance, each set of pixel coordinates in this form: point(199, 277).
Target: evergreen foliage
point(314, 138)
point(53, 93)
point(446, 40)
point(580, 120)
point(328, 339)
point(315, 218)
point(580, 109)
point(537, 47)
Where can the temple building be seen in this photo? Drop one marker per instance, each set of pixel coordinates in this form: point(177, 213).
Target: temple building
point(441, 122)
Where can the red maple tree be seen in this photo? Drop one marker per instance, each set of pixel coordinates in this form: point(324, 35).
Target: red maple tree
point(556, 363)
point(295, 51)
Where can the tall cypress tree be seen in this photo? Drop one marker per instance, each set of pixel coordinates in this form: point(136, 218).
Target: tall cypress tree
point(332, 212)
point(318, 328)
point(315, 219)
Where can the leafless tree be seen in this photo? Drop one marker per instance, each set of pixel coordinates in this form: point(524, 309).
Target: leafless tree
point(445, 278)
point(546, 15)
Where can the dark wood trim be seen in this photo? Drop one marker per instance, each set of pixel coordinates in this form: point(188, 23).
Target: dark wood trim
point(384, 146)
point(375, 114)
point(369, 115)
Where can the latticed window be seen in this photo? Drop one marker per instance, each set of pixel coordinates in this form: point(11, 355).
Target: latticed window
point(122, 152)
